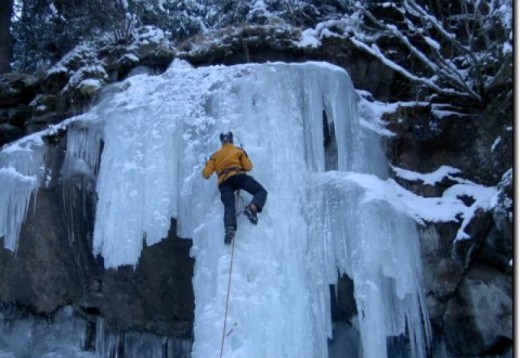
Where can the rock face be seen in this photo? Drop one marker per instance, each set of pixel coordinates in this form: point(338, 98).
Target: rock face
point(468, 283)
point(54, 267)
point(43, 274)
point(481, 310)
point(157, 296)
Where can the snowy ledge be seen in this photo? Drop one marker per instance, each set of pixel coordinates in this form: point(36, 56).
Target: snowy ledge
point(448, 208)
point(432, 178)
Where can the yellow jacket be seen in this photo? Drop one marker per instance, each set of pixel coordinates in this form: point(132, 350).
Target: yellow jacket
point(226, 162)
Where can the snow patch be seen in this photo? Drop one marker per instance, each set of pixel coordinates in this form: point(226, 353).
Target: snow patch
point(429, 178)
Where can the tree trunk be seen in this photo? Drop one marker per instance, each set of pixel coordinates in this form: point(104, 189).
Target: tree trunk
point(5, 35)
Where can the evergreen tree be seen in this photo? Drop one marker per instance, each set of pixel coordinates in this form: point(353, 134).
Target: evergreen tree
point(5, 35)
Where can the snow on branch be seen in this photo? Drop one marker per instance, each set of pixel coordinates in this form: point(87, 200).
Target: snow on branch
point(463, 47)
point(428, 82)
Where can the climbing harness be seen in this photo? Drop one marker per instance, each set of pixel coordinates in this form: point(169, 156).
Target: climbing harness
point(224, 173)
point(227, 299)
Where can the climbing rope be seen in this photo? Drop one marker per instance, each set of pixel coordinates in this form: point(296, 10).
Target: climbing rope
point(238, 198)
point(227, 298)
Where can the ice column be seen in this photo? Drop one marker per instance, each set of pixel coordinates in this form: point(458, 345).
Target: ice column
point(269, 108)
point(365, 239)
point(151, 131)
point(21, 170)
point(315, 222)
point(378, 248)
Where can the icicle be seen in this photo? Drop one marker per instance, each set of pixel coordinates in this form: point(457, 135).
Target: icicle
point(378, 248)
point(83, 149)
point(21, 168)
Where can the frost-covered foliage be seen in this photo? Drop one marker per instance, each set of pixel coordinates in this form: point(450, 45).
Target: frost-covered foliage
point(84, 69)
point(79, 65)
point(47, 29)
point(461, 48)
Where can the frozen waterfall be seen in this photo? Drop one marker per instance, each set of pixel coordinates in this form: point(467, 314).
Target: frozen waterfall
point(313, 153)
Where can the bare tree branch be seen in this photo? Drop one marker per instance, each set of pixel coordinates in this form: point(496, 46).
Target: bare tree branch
point(457, 52)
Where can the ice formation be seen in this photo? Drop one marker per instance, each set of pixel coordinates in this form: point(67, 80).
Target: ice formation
point(300, 127)
point(21, 171)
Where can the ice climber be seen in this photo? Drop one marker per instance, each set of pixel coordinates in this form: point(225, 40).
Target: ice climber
point(231, 164)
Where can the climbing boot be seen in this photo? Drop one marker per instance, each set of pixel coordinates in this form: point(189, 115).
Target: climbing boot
point(250, 212)
point(230, 234)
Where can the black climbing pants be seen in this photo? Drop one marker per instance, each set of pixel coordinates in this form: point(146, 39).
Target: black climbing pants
point(227, 195)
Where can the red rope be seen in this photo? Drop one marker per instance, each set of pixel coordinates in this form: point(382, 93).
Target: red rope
point(227, 299)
